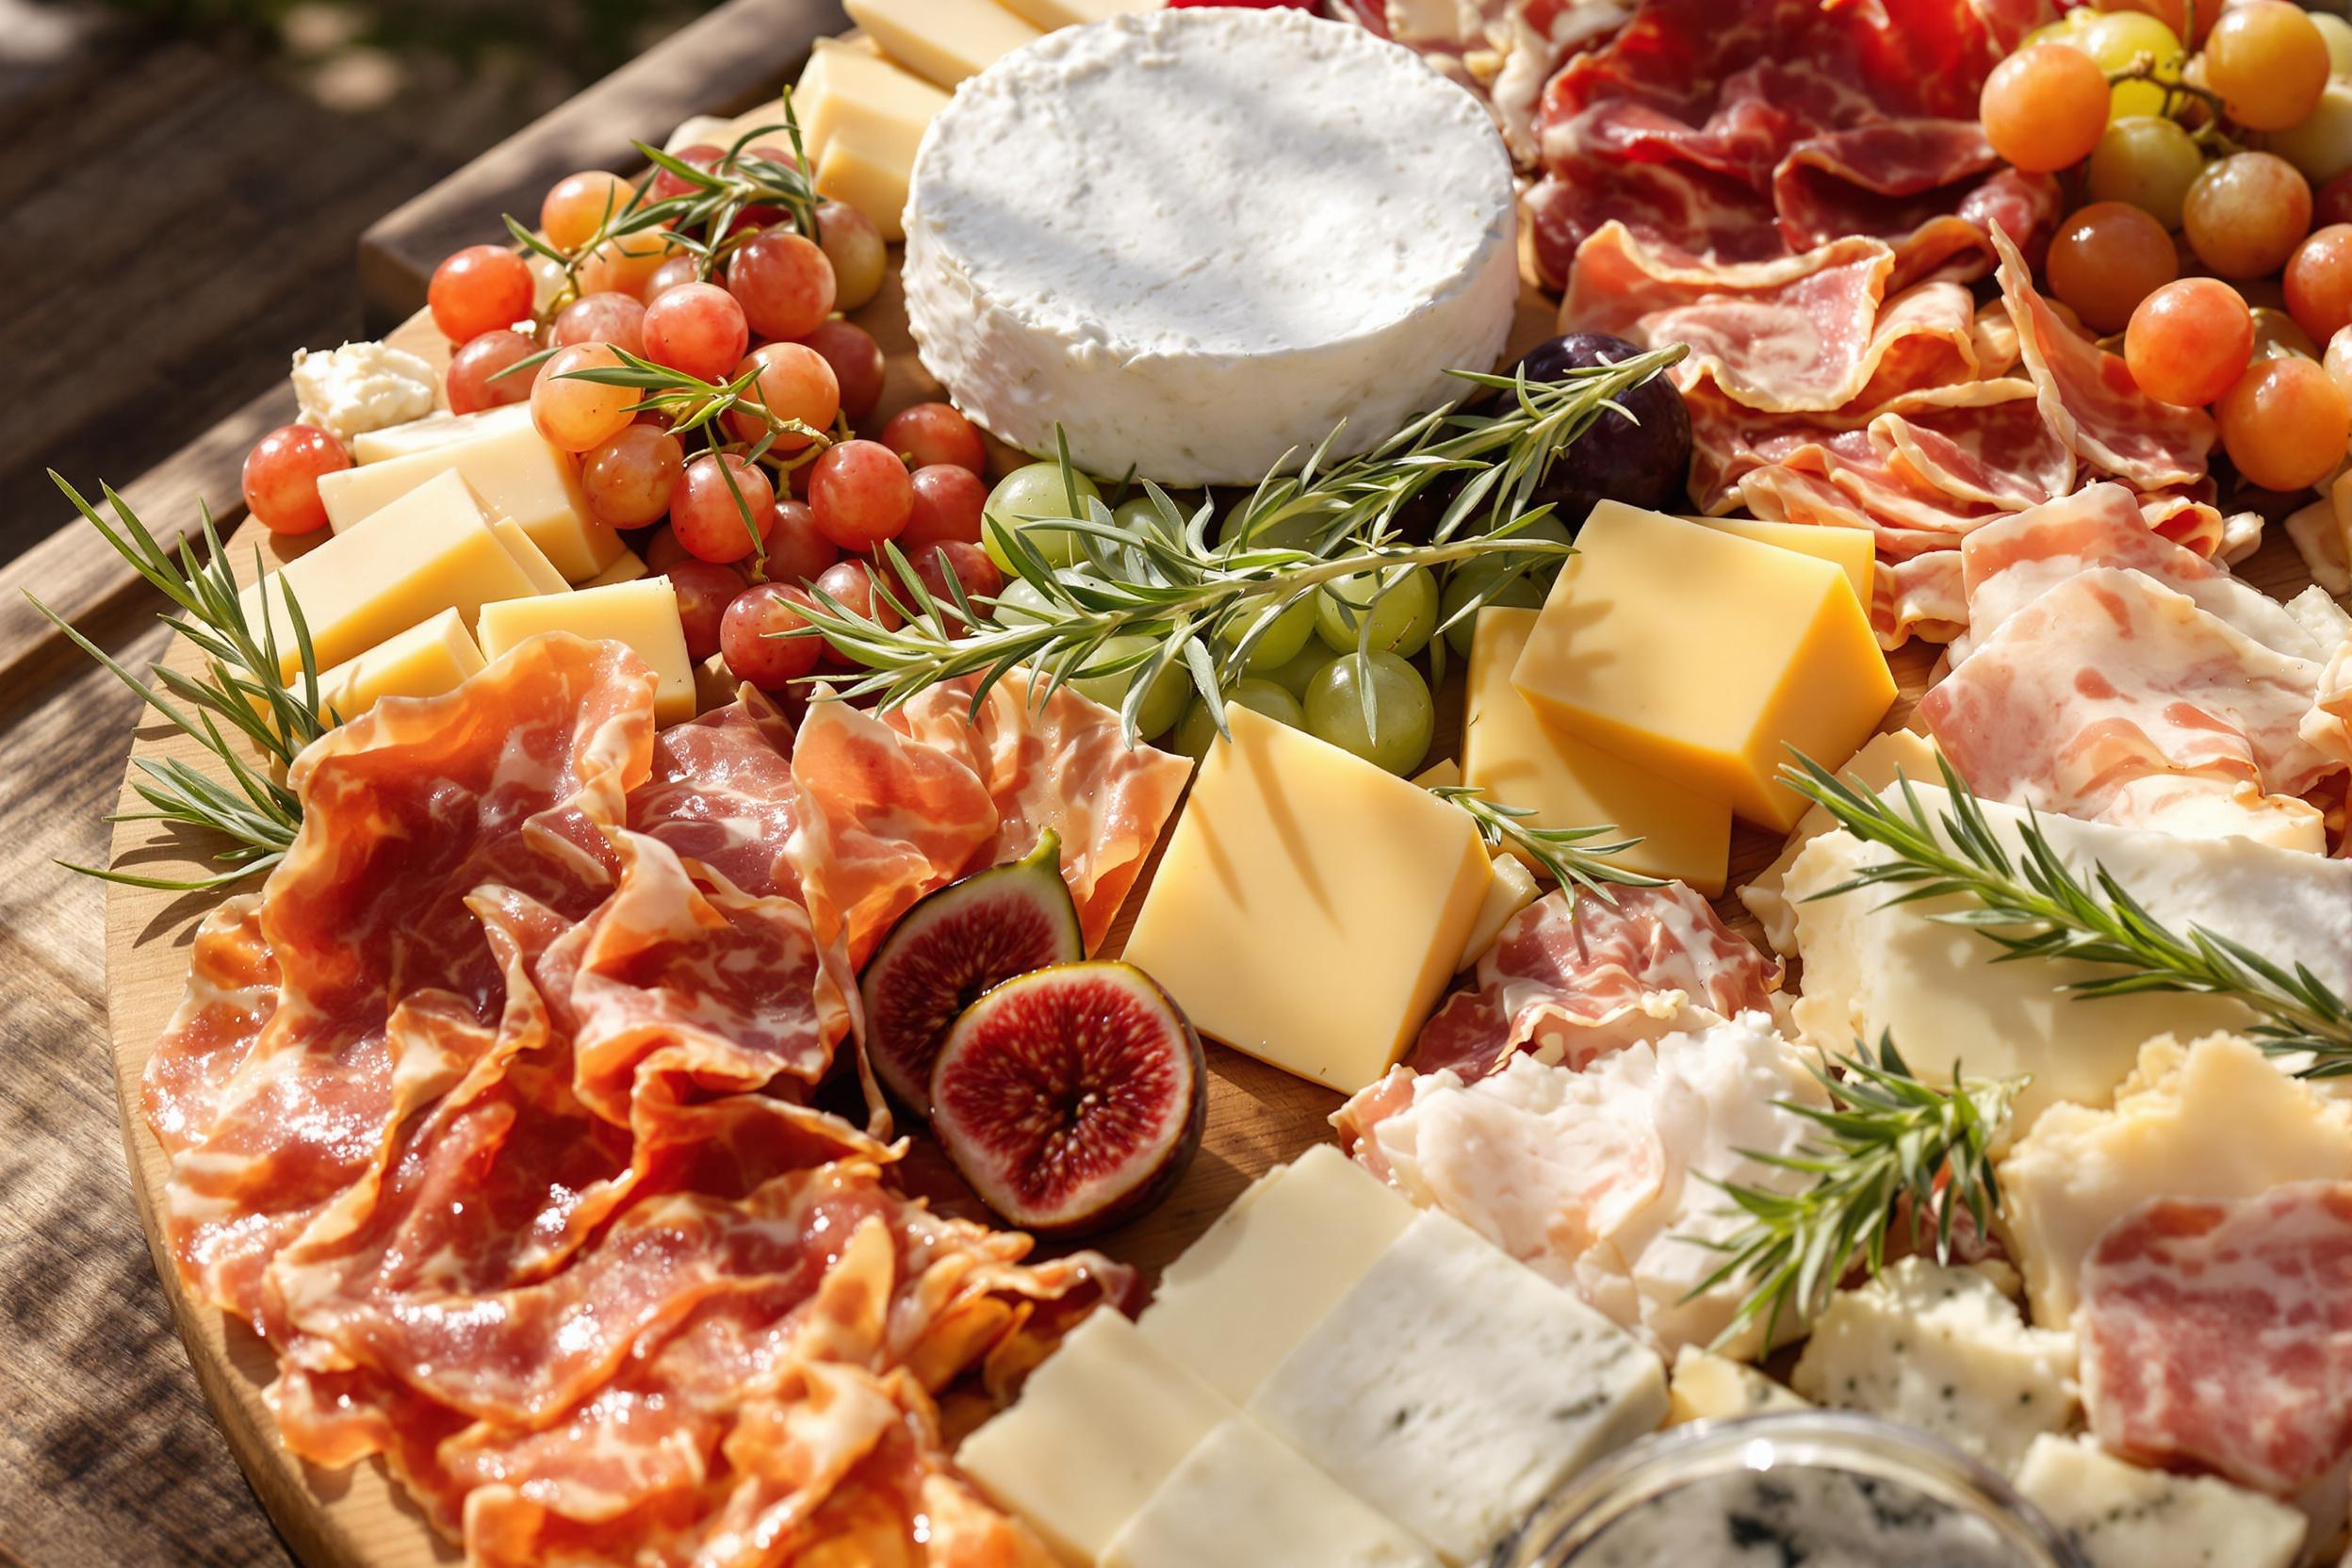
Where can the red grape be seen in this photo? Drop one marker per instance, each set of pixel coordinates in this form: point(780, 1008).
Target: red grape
point(605, 317)
point(854, 246)
point(2269, 62)
point(796, 551)
point(857, 368)
point(2045, 106)
point(578, 414)
point(2319, 282)
point(697, 328)
point(783, 283)
point(2189, 341)
point(704, 513)
point(704, 590)
point(701, 155)
point(628, 476)
point(281, 477)
point(2245, 214)
point(748, 636)
point(474, 380)
point(2285, 423)
point(2106, 258)
point(678, 271)
point(947, 500)
point(925, 433)
point(2333, 203)
point(973, 569)
point(796, 383)
point(852, 582)
point(579, 206)
point(480, 289)
point(625, 264)
point(664, 551)
point(860, 493)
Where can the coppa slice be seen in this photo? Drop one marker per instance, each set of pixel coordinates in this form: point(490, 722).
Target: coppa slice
point(1072, 1098)
point(952, 946)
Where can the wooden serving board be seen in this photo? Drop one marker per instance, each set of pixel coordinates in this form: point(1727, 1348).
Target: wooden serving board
point(358, 1518)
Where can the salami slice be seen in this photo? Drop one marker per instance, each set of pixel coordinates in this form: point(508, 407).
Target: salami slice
point(2218, 1334)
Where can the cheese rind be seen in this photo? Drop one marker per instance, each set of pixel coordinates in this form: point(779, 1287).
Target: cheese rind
point(1883, 758)
point(643, 615)
point(1370, 885)
point(1100, 1424)
point(1458, 1388)
point(1242, 1496)
point(429, 660)
point(428, 551)
point(2118, 1515)
point(1940, 1348)
point(943, 40)
point(1516, 756)
point(1705, 656)
point(2216, 1118)
point(516, 473)
point(1259, 1280)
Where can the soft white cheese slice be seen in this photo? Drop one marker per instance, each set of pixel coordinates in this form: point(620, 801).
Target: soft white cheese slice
point(1940, 1348)
point(1197, 240)
point(1244, 1496)
point(2118, 1515)
point(1455, 1387)
point(1869, 967)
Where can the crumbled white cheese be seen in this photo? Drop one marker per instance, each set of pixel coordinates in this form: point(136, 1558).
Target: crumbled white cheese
point(361, 386)
point(1705, 1386)
point(2118, 1515)
point(1940, 1348)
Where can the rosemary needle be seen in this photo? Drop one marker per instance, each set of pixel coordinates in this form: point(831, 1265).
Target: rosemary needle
point(1567, 853)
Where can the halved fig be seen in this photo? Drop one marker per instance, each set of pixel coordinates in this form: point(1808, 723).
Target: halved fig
point(1072, 1099)
point(953, 944)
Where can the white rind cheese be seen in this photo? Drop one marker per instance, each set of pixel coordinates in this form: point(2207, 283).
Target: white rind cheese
point(360, 387)
point(1244, 1496)
point(1940, 1348)
point(2118, 1515)
point(1455, 1388)
point(1198, 239)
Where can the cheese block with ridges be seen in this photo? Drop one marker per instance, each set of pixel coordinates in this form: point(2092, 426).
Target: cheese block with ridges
point(945, 41)
point(1240, 143)
point(642, 614)
point(1244, 1295)
point(1242, 1496)
point(516, 473)
point(429, 660)
point(430, 550)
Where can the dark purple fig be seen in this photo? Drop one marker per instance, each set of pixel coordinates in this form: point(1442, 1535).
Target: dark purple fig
point(1072, 1099)
point(1645, 461)
point(953, 944)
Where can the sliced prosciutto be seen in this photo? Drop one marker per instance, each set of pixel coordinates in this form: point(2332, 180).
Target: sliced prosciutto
point(2217, 1334)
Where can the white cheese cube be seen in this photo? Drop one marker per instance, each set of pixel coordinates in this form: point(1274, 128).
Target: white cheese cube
point(1456, 1387)
point(361, 386)
point(1707, 1387)
point(1940, 1348)
point(2118, 1515)
point(437, 430)
point(1245, 1294)
point(1243, 1496)
point(1099, 1426)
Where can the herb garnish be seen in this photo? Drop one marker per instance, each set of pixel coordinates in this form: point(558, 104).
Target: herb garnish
point(1567, 853)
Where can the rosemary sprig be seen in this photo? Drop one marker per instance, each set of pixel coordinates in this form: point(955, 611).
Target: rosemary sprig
point(2033, 906)
point(1204, 604)
point(1885, 1136)
point(239, 694)
point(1567, 853)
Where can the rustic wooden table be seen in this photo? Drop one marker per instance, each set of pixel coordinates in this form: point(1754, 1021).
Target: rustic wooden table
point(108, 1456)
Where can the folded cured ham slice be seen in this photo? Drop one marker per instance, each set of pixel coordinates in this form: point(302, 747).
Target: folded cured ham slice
point(2218, 1334)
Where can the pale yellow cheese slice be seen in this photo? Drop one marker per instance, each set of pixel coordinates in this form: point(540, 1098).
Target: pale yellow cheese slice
point(430, 658)
point(643, 615)
point(944, 40)
point(516, 473)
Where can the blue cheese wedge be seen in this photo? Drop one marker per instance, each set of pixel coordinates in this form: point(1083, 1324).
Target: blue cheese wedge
point(2118, 1515)
point(1455, 1387)
point(1244, 1496)
point(1940, 1348)
point(1707, 1387)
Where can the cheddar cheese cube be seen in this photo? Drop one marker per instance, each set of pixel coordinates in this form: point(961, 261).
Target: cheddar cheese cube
point(1704, 657)
point(430, 658)
point(642, 614)
point(1851, 550)
point(626, 567)
point(1100, 1425)
point(1310, 906)
point(847, 85)
point(1243, 1296)
point(1517, 756)
point(870, 172)
point(529, 556)
point(437, 430)
point(945, 41)
point(516, 473)
point(430, 550)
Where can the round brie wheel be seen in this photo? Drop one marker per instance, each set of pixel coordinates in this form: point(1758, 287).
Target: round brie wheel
point(1199, 239)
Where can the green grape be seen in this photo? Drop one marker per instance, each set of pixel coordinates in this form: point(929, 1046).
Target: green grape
point(1280, 642)
point(1403, 715)
point(1296, 673)
point(1199, 730)
point(2148, 163)
point(2061, 31)
point(2115, 40)
point(2337, 34)
point(1023, 603)
point(1402, 618)
point(1466, 579)
point(1283, 530)
point(1035, 490)
point(1162, 705)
